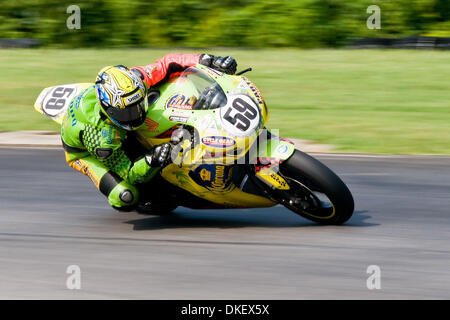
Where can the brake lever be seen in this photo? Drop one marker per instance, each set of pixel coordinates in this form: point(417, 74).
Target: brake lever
point(244, 71)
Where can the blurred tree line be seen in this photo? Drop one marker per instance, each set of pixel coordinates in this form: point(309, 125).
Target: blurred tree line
point(206, 23)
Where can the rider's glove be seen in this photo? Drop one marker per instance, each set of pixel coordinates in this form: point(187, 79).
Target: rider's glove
point(159, 156)
point(224, 64)
point(178, 135)
point(138, 73)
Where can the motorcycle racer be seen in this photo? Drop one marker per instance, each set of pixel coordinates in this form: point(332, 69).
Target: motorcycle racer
point(99, 119)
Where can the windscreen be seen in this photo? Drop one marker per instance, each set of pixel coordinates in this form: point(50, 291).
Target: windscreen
point(204, 93)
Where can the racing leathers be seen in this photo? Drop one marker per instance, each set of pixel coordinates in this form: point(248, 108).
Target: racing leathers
point(93, 143)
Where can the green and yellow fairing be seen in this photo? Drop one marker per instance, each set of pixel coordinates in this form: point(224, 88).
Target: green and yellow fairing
point(222, 137)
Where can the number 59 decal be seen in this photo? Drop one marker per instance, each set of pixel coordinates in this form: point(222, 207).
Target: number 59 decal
point(241, 115)
point(57, 99)
point(54, 101)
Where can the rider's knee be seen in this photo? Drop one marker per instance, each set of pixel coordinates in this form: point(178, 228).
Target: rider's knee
point(121, 195)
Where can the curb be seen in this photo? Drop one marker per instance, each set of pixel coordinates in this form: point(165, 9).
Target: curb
point(52, 139)
point(30, 138)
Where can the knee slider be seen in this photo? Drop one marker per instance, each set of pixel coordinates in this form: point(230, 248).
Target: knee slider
point(126, 196)
point(123, 194)
point(119, 192)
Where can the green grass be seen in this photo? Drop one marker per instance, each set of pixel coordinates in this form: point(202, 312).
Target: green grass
point(375, 101)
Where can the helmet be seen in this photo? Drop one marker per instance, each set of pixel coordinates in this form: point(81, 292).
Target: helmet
point(122, 96)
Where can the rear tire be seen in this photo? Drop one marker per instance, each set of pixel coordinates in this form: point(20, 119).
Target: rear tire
point(309, 174)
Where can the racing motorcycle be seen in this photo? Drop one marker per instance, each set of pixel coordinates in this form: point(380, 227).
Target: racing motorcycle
point(223, 156)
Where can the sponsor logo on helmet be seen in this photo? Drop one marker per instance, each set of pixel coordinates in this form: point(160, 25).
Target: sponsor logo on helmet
point(218, 141)
point(133, 98)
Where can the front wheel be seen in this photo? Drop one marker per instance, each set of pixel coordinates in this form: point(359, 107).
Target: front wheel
point(316, 192)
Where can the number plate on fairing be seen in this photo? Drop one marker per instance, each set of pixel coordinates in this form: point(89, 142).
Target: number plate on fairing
point(53, 101)
point(241, 116)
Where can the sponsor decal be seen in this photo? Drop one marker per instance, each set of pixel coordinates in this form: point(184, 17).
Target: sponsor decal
point(242, 85)
point(180, 101)
point(179, 117)
point(149, 70)
point(108, 134)
point(221, 179)
point(175, 118)
point(281, 182)
point(168, 132)
point(83, 167)
point(282, 149)
point(255, 91)
point(213, 72)
point(74, 104)
point(135, 97)
point(205, 175)
point(218, 141)
point(215, 177)
point(152, 126)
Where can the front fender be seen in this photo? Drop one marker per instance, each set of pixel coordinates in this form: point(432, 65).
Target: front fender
point(275, 148)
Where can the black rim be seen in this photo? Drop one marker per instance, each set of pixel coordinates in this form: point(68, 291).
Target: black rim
point(309, 200)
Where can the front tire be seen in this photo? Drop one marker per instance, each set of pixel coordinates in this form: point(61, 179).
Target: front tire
point(308, 178)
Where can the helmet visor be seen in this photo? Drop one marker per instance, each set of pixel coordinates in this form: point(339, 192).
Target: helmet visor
point(130, 117)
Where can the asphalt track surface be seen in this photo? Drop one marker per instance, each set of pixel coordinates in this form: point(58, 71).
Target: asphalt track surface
point(52, 217)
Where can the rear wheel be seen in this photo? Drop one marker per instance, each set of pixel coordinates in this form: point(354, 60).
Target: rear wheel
point(316, 192)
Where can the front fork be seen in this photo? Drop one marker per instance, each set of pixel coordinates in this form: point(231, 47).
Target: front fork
point(265, 174)
point(270, 154)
